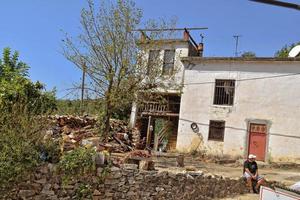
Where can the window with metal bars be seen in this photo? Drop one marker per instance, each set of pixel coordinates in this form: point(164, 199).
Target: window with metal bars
point(216, 130)
point(169, 58)
point(224, 92)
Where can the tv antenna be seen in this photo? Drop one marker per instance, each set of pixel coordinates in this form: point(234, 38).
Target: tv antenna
point(236, 37)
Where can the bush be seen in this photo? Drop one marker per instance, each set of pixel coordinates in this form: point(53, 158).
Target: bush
point(20, 137)
point(22, 103)
point(78, 162)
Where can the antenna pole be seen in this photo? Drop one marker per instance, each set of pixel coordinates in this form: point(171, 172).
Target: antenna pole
point(202, 37)
point(236, 37)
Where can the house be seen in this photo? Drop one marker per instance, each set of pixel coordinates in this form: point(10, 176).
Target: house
point(233, 106)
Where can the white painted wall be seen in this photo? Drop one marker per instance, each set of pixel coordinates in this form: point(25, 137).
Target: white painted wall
point(181, 50)
point(275, 100)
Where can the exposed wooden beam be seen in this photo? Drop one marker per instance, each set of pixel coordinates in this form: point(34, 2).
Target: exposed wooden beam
point(161, 114)
point(170, 29)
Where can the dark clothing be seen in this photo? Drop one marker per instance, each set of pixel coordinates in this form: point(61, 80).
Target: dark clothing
point(252, 166)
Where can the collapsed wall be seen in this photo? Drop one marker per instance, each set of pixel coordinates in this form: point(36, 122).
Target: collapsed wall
point(127, 183)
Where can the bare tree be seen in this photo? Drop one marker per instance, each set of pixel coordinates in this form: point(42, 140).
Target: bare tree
point(113, 55)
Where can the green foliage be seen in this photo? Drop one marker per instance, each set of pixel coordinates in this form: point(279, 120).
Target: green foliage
point(284, 51)
point(50, 150)
point(21, 124)
point(73, 107)
point(113, 56)
point(77, 162)
point(248, 54)
point(20, 139)
point(83, 191)
point(15, 86)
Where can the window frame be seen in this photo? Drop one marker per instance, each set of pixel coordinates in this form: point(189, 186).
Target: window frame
point(211, 126)
point(171, 69)
point(149, 63)
point(216, 100)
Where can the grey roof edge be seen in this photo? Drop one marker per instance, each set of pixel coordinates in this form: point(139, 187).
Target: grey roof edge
point(238, 59)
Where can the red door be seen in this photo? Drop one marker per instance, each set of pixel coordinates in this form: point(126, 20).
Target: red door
point(258, 140)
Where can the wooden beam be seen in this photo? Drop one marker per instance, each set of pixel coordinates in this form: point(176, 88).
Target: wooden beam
point(171, 29)
point(148, 139)
point(161, 114)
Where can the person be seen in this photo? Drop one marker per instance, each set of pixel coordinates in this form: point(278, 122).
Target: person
point(250, 173)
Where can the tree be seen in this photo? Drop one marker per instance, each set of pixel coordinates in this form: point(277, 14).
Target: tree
point(284, 51)
point(15, 86)
point(22, 104)
point(248, 54)
point(107, 49)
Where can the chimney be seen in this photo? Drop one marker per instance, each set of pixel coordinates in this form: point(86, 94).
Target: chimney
point(186, 35)
point(200, 49)
point(143, 37)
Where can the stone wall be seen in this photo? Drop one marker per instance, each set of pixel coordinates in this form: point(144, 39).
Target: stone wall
point(127, 183)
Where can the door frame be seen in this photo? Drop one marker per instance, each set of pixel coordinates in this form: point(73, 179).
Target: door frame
point(262, 122)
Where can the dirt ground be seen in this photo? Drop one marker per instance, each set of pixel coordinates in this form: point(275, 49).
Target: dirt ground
point(287, 176)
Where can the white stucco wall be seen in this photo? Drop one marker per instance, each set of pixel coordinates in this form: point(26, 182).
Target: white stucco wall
point(181, 50)
point(259, 95)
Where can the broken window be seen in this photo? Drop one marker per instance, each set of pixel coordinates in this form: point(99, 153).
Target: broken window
point(168, 65)
point(224, 92)
point(153, 59)
point(216, 130)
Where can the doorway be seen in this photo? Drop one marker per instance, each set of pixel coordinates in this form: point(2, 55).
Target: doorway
point(257, 140)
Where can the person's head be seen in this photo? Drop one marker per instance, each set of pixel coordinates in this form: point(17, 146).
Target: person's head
point(251, 157)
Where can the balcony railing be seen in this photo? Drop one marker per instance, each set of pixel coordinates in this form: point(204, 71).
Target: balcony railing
point(157, 107)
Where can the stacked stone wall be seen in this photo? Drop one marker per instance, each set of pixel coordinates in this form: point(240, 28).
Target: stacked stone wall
point(127, 183)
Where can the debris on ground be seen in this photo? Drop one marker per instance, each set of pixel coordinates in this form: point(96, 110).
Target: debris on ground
point(74, 131)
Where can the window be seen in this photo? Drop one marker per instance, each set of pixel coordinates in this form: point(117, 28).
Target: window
point(153, 59)
point(168, 65)
point(224, 92)
point(216, 130)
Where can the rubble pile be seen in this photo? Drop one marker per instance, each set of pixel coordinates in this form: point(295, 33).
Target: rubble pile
point(74, 131)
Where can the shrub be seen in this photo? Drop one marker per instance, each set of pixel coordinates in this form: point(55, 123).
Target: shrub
point(20, 137)
point(22, 103)
point(77, 162)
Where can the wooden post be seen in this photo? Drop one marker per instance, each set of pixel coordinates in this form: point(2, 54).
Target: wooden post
point(148, 141)
point(156, 137)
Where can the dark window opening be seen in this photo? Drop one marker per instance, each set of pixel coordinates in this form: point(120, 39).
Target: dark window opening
point(153, 60)
point(216, 130)
point(224, 92)
point(168, 65)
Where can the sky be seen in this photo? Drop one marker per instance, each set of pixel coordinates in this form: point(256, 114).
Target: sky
point(36, 28)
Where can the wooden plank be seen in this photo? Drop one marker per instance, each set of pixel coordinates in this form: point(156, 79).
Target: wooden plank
point(148, 139)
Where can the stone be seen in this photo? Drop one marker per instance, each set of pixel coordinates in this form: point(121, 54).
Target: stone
point(189, 177)
point(24, 194)
point(158, 189)
point(96, 195)
point(130, 166)
point(41, 181)
point(146, 165)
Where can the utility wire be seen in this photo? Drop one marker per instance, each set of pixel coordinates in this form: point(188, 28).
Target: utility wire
point(247, 79)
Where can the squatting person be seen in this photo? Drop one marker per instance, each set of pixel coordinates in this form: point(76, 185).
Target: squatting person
point(250, 173)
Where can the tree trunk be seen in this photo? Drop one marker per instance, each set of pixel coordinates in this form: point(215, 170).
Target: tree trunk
point(108, 109)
